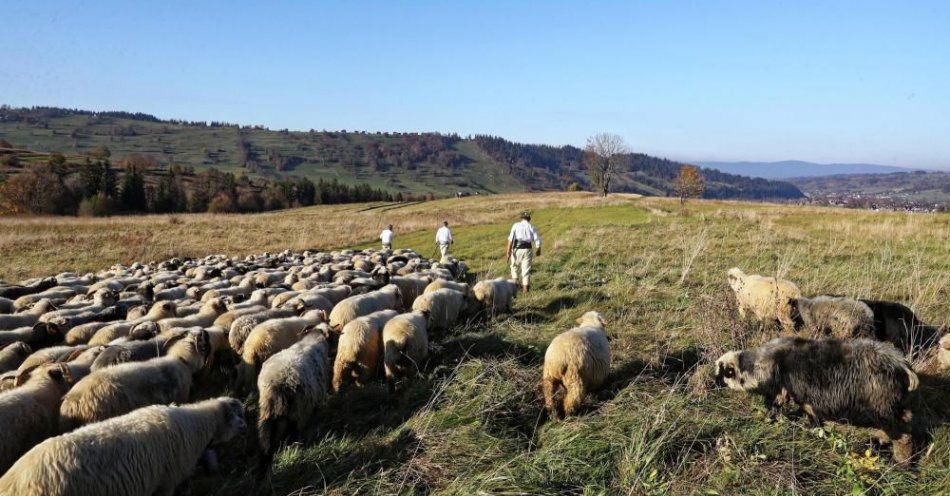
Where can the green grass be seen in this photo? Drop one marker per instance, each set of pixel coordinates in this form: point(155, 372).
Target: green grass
point(473, 424)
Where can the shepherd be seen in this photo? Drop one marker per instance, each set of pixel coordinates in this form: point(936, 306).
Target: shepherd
point(387, 237)
point(520, 241)
point(443, 238)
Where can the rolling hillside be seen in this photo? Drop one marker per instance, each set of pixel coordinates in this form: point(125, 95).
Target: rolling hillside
point(418, 163)
point(797, 168)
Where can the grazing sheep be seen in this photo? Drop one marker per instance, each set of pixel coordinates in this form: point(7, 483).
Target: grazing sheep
point(204, 318)
point(865, 382)
point(227, 318)
point(26, 318)
point(405, 345)
point(943, 353)
point(55, 295)
point(136, 312)
point(438, 284)
point(766, 297)
point(244, 289)
point(84, 332)
point(148, 451)
point(64, 324)
point(350, 308)
point(51, 355)
point(410, 287)
point(836, 316)
point(138, 351)
point(441, 307)
point(335, 294)
point(12, 355)
point(14, 291)
point(360, 349)
point(161, 310)
point(102, 300)
point(40, 335)
point(114, 391)
point(496, 295)
point(577, 360)
point(274, 335)
point(309, 301)
point(896, 324)
point(6, 305)
point(30, 412)
point(292, 384)
point(244, 324)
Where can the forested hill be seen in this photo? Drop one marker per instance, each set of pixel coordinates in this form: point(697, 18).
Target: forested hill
point(418, 163)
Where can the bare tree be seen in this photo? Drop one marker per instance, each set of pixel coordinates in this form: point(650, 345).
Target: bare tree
point(604, 154)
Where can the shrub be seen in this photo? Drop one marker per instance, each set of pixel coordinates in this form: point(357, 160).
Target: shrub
point(222, 204)
point(98, 205)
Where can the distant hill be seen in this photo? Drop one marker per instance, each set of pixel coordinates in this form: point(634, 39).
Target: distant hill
point(797, 168)
point(416, 163)
point(919, 187)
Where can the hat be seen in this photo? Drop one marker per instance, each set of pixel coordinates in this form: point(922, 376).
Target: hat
point(526, 215)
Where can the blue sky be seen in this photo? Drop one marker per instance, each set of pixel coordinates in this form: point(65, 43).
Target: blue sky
point(862, 81)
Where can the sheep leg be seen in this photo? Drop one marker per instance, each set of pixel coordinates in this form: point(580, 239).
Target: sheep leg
point(550, 386)
point(574, 396)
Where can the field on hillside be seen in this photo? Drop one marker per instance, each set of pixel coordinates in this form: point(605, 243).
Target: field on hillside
point(474, 424)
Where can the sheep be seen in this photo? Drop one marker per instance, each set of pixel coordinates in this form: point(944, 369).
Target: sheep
point(204, 318)
point(136, 312)
point(56, 295)
point(766, 297)
point(866, 382)
point(335, 294)
point(244, 324)
point(836, 316)
point(243, 289)
point(113, 391)
point(352, 307)
point(441, 307)
point(67, 322)
point(161, 310)
point(896, 324)
point(309, 301)
point(25, 318)
point(274, 335)
point(360, 349)
point(12, 355)
point(82, 333)
point(282, 298)
point(51, 355)
point(227, 318)
point(14, 291)
point(438, 284)
point(496, 295)
point(40, 335)
point(103, 299)
point(405, 346)
point(30, 412)
point(170, 294)
point(148, 451)
point(410, 287)
point(577, 360)
point(292, 384)
point(943, 352)
point(138, 351)
point(6, 305)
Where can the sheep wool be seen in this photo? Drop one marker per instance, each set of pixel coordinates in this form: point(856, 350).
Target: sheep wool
point(578, 361)
point(766, 297)
point(12, 355)
point(405, 346)
point(385, 298)
point(496, 295)
point(148, 451)
point(441, 307)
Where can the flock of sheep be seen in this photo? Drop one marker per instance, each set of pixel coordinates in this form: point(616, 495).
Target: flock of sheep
point(96, 370)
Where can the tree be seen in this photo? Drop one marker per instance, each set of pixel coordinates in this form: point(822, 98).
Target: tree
point(604, 154)
point(100, 152)
point(689, 183)
point(132, 192)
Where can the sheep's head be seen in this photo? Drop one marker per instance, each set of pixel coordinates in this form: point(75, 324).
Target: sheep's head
point(736, 278)
point(593, 319)
point(231, 422)
point(735, 370)
point(216, 306)
point(144, 331)
point(794, 311)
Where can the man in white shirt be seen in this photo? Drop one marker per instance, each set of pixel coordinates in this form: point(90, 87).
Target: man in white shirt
point(520, 241)
point(387, 237)
point(443, 238)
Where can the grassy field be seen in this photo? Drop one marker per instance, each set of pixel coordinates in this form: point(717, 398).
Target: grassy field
point(474, 423)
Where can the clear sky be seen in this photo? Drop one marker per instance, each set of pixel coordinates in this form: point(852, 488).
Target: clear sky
point(862, 81)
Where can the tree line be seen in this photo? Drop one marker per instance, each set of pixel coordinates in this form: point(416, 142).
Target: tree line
point(138, 185)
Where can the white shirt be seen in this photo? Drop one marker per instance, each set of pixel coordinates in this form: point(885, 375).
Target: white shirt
point(524, 231)
point(387, 237)
point(443, 236)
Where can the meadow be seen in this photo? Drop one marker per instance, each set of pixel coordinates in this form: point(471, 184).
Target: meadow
point(474, 422)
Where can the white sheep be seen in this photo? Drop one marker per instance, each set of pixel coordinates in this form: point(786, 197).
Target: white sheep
point(204, 318)
point(766, 297)
point(227, 318)
point(113, 391)
point(243, 325)
point(386, 298)
point(578, 361)
point(161, 310)
point(12, 355)
point(292, 384)
point(410, 287)
point(274, 335)
point(360, 349)
point(405, 345)
point(441, 307)
point(496, 295)
point(148, 451)
point(25, 318)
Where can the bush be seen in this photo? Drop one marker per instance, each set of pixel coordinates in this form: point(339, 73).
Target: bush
point(222, 204)
point(574, 187)
point(98, 205)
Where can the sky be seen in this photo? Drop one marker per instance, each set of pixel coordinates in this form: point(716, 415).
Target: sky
point(862, 81)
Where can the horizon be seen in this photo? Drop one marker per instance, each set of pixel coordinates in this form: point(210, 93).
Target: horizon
point(849, 83)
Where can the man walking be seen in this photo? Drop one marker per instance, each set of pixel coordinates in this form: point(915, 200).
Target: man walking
point(520, 241)
point(443, 238)
point(387, 237)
